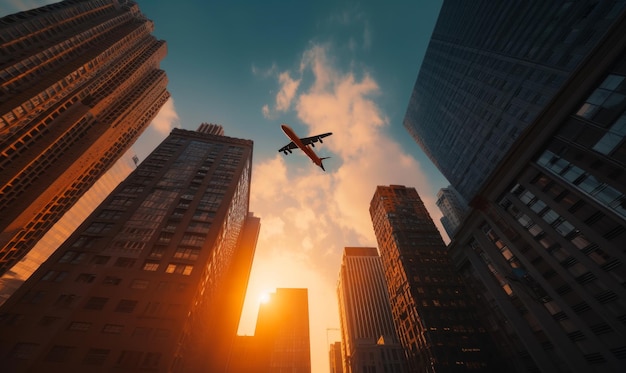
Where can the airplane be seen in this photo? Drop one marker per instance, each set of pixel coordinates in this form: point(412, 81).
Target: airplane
point(303, 144)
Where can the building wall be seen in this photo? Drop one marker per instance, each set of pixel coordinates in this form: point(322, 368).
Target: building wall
point(453, 207)
point(545, 240)
point(81, 81)
point(367, 326)
point(434, 315)
point(140, 284)
point(489, 70)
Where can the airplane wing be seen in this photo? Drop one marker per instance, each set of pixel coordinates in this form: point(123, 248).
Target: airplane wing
point(314, 139)
point(288, 147)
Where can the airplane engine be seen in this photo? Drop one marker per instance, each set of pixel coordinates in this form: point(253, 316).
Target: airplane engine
point(313, 144)
point(289, 150)
point(285, 152)
point(321, 142)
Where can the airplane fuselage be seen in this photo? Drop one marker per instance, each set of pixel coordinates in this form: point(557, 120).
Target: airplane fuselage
point(305, 148)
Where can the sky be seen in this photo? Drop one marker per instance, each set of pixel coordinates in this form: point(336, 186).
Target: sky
point(346, 67)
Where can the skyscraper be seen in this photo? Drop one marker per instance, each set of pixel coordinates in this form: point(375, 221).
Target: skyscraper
point(147, 280)
point(544, 245)
point(281, 341)
point(369, 339)
point(453, 207)
point(80, 81)
point(491, 67)
point(435, 317)
point(334, 358)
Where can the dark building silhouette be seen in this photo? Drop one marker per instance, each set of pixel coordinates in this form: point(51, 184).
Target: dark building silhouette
point(544, 244)
point(490, 68)
point(334, 358)
point(369, 340)
point(281, 341)
point(79, 82)
point(434, 315)
point(154, 279)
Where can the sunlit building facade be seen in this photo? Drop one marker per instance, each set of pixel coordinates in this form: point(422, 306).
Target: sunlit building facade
point(453, 207)
point(147, 281)
point(434, 315)
point(281, 341)
point(368, 334)
point(11, 280)
point(79, 82)
point(490, 68)
point(544, 244)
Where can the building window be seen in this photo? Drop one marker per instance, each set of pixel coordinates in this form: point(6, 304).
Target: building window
point(78, 326)
point(126, 306)
point(178, 268)
point(96, 356)
point(24, 351)
point(129, 359)
point(59, 353)
point(96, 303)
point(72, 257)
point(56, 276)
point(124, 262)
point(139, 284)
point(150, 265)
point(100, 259)
point(186, 253)
point(111, 280)
point(151, 360)
point(112, 329)
point(613, 137)
point(86, 277)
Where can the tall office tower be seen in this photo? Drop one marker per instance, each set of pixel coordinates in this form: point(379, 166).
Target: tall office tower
point(453, 207)
point(432, 311)
point(147, 280)
point(281, 340)
point(489, 70)
point(79, 82)
point(334, 358)
point(368, 335)
point(544, 245)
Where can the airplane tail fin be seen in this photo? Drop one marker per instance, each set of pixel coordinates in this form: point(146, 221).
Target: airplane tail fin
point(322, 164)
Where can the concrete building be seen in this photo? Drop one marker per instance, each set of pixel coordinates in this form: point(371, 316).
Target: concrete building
point(490, 68)
point(433, 312)
point(453, 207)
point(154, 278)
point(79, 82)
point(544, 244)
point(369, 342)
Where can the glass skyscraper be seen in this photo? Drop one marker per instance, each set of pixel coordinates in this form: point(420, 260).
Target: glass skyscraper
point(491, 67)
point(155, 277)
point(544, 244)
point(79, 82)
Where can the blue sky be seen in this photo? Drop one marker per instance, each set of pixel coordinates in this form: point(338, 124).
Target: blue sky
point(346, 67)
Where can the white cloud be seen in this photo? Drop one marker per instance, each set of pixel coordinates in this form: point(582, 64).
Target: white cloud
point(312, 215)
point(13, 6)
point(166, 119)
point(288, 88)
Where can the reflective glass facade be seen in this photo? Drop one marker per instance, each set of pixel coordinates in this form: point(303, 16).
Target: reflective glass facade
point(544, 246)
point(79, 82)
point(491, 67)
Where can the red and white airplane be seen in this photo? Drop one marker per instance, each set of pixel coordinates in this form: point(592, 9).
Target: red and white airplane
point(303, 144)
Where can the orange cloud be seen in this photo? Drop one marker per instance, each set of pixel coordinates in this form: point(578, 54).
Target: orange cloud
point(312, 215)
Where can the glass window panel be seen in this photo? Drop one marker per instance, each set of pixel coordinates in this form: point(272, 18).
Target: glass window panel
point(587, 110)
point(598, 96)
point(612, 82)
point(572, 173)
point(607, 195)
point(564, 228)
point(550, 216)
point(614, 100)
point(538, 206)
point(589, 184)
point(607, 143)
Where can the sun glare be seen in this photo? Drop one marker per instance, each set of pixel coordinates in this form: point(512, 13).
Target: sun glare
point(264, 298)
